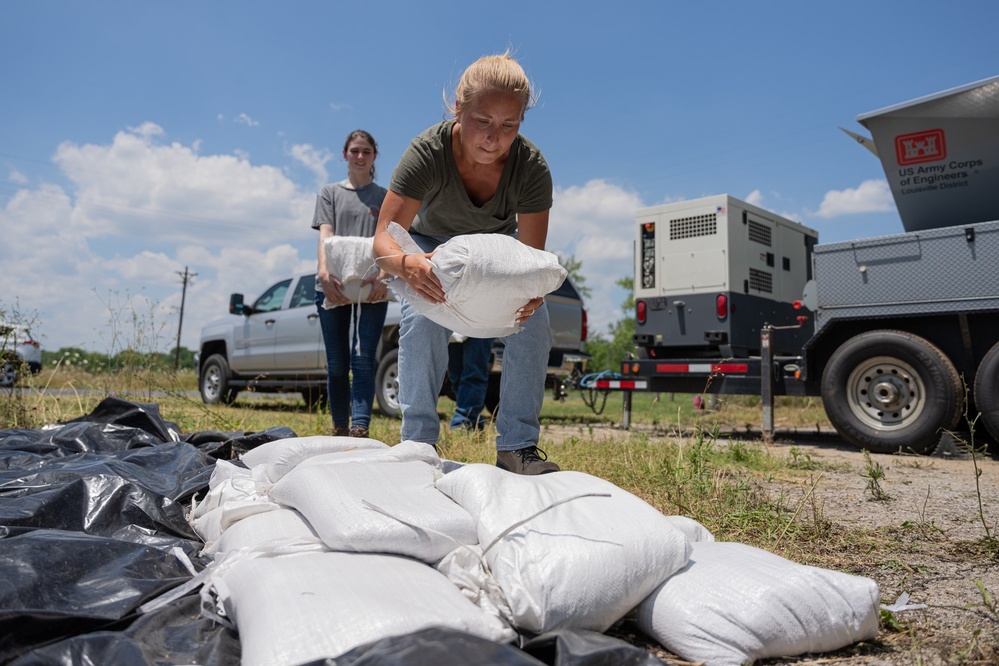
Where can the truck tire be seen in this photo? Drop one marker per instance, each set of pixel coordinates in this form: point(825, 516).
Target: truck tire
point(9, 370)
point(387, 385)
point(887, 391)
point(315, 398)
point(214, 382)
point(987, 391)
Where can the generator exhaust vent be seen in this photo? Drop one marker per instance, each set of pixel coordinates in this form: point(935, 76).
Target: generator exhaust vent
point(693, 227)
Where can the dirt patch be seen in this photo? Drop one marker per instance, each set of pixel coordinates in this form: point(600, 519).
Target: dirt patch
point(926, 519)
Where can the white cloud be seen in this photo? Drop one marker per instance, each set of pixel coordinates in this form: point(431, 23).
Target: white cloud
point(755, 197)
point(870, 196)
point(338, 106)
point(314, 159)
point(107, 250)
point(138, 186)
point(244, 119)
point(17, 177)
point(595, 223)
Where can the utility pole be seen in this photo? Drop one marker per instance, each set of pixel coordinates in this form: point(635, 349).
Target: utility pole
point(185, 277)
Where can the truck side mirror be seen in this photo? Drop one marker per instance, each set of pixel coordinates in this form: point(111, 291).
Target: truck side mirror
point(236, 306)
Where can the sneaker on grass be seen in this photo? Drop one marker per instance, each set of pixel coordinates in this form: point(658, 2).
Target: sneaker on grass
point(530, 461)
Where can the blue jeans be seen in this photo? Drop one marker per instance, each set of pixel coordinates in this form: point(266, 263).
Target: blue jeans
point(423, 360)
point(350, 402)
point(468, 370)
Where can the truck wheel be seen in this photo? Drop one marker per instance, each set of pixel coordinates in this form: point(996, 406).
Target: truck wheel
point(315, 398)
point(886, 391)
point(493, 394)
point(8, 371)
point(987, 391)
point(214, 382)
point(387, 385)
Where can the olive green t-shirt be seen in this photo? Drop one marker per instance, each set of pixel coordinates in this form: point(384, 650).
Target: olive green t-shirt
point(427, 172)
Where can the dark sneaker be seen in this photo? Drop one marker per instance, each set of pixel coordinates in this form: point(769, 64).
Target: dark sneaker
point(358, 431)
point(339, 431)
point(529, 461)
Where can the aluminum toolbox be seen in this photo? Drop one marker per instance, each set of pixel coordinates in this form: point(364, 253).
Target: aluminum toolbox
point(942, 270)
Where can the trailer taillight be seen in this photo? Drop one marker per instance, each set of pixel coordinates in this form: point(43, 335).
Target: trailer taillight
point(640, 312)
point(721, 306)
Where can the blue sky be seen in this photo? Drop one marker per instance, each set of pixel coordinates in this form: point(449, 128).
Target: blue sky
point(139, 138)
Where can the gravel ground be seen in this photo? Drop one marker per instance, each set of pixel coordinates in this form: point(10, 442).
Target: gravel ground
point(930, 534)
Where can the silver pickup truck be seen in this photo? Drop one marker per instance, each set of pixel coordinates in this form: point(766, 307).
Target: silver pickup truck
point(275, 345)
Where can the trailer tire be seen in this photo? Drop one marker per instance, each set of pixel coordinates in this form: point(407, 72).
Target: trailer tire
point(887, 391)
point(987, 391)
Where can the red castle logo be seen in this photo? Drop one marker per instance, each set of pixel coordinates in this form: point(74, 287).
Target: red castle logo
point(919, 147)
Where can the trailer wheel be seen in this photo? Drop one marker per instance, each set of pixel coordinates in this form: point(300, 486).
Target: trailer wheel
point(987, 391)
point(886, 391)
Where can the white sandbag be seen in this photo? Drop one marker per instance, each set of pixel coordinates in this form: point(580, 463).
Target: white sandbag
point(234, 497)
point(228, 481)
point(265, 530)
point(390, 507)
point(693, 530)
point(465, 567)
point(733, 604)
point(486, 279)
point(227, 470)
point(300, 608)
point(582, 564)
point(351, 260)
point(213, 524)
point(272, 460)
point(408, 451)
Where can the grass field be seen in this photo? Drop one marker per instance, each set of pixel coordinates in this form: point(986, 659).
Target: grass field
point(679, 459)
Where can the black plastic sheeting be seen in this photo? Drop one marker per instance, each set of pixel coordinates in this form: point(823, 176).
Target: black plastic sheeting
point(91, 520)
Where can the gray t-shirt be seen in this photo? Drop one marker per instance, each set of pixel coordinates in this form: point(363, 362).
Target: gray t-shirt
point(427, 172)
point(350, 212)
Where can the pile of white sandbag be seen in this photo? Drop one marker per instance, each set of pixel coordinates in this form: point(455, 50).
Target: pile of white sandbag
point(323, 544)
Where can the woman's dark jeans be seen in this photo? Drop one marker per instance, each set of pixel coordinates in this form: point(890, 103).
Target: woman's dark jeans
point(350, 368)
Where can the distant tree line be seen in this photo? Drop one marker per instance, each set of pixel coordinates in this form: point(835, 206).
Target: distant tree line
point(75, 357)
